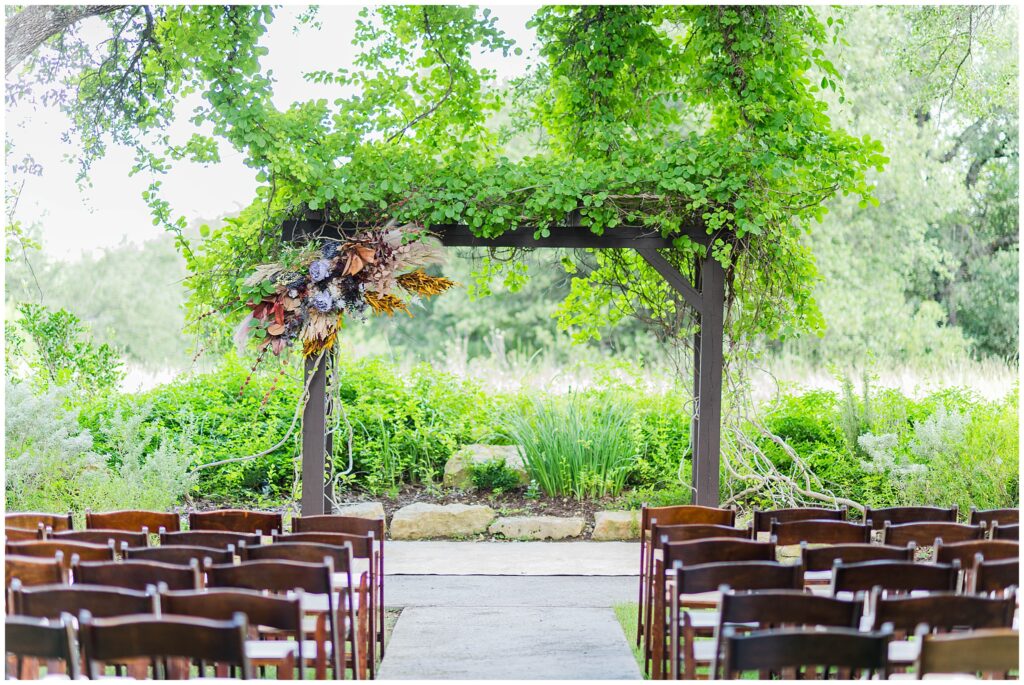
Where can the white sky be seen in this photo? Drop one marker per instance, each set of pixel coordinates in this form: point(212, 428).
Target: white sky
point(75, 221)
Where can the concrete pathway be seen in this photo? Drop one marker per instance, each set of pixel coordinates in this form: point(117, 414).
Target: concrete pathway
point(525, 626)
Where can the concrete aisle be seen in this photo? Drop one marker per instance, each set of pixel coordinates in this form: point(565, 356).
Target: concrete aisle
point(495, 627)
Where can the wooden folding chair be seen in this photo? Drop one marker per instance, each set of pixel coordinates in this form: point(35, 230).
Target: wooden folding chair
point(133, 520)
point(762, 521)
point(35, 570)
point(30, 640)
point(287, 652)
point(993, 577)
point(942, 611)
point(343, 550)
point(894, 577)
point(898, 515)
point(24, 534)
point(668, 516)
point(219, 539)
point(103, 536)
point(818, 561)
point(163, 640)
point(988, 516)
point(136, 575)
point(354, 525)
point(820, 532)
point(990, 550)
point(698, 587)
point(180, 554)
point(988, 653)
point(800, 652)
point(237, 521)
point(925, 533)
point(316, 581)
point(1009, 531)
point(758, 610)
point(30, 520)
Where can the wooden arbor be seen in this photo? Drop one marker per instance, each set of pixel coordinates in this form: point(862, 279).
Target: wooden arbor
point(706, 296)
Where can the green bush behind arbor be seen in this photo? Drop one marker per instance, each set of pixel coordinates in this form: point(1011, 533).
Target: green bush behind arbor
point(948, 446)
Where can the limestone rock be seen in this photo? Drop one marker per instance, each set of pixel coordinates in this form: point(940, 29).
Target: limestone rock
point(616, 525)
point(457, 470)
point(422, 521)
point(363, 510)
point(538, 527)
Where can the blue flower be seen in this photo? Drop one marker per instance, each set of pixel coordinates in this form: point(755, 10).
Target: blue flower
point(319, 270)
point(323, 302)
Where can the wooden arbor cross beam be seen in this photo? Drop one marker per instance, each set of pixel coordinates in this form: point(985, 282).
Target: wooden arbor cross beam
point(706, 296)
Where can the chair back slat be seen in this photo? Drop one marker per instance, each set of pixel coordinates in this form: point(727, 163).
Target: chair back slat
point(823, 558)
point(991, 550)
point(687, 513)
point(898, 515)
point(992, 652)
point(32, 519)
point(208, 538)
point(820, 532)
point(774, 608)
point(180, 554)
point(103, 536)
point(133, 520)
point(1009, 531)
point(335, 523)
point(106, 640)
point(273, 611)
point(35, 570)
point(762, 521)
point(272, 575)
point(805, 648)
point(306, 552)
point(989, 516)
point(738, 575)
point(37, 638)
point(925, 533)
point(942, 611)
point(47, 549)
point(714, 550)
point(50, 601)
point(685, 532)
point(136, 575)
point(237, 521)
point(363, 546)
point(894, 576)
point(994, 576)
point(24, 534)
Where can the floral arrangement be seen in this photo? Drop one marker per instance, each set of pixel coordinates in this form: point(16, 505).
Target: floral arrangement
point(306, 296)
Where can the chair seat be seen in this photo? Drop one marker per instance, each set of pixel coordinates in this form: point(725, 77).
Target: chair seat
point(817, 577)
point(276, 650)
point(903, 652)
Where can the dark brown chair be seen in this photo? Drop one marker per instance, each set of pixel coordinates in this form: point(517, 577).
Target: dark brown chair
point(667, 516)
point(180, 554)
point(50, 601)
point(799, 652)
point(133, 520)
point(35, 570)
point(942, 611)
point(988, 653)
point(894, 576)
point(989, 577)
point(820, 532)
point(31, 520)
point(715, 550)
point(353, 525)
point(281, 614)
point(899, 515)
point(24, 534)
point(756, 610)
point(209, 538)
point(237, 521)
point(31, 639)
point(47, 549)
point(924, 534)
point(115, 640)
point(103, 536)
point(762, 521)
point(1009, 531)
point(137, 575)
point(314, 579)
point(988, 516)
point(991, 550)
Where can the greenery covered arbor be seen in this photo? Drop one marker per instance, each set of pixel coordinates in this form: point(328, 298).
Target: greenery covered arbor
point(702, 126)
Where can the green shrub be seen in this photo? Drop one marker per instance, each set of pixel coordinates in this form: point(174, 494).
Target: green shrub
point(494, 475)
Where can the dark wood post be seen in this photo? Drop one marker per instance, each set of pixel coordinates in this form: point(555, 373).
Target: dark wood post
point(706, 458)
point(314, 439)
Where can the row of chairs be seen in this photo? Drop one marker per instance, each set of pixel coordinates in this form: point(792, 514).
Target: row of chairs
point(664, 545)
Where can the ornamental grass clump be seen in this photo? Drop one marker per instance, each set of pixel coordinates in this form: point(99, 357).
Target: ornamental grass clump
point(574, 445)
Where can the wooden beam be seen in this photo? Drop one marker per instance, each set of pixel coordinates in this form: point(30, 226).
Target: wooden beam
point(672, 277)
point(707, 458)
point(314, 439)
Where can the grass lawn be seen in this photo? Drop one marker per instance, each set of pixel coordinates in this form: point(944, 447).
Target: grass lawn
point(626, 615)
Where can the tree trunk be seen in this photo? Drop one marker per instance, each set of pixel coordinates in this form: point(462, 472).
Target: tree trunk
point(30, 27)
